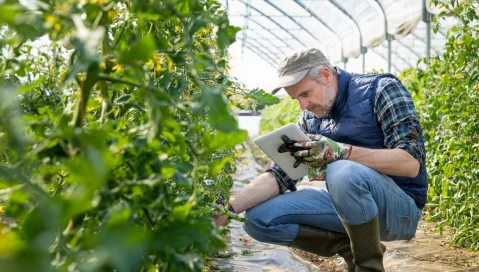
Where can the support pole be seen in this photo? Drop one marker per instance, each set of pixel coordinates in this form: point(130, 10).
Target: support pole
point(426, 17)
point(389, 38)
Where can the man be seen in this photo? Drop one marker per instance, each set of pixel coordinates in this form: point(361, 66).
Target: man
point(376, 180)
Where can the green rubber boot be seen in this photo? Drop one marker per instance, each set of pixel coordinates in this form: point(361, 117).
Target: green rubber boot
point(324, 243)
point(366, 246)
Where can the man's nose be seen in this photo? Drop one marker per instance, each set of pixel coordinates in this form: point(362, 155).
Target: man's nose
point(303, 104)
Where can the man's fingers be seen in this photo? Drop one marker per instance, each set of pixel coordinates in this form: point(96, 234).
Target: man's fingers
point(283, 148)
point(315, 164)
point(314, 137)
point(302, 153)
point(302, 144)
point(297, 163)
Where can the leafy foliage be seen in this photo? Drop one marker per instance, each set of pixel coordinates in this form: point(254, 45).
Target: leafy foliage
point(447, 99)
point(287, 111)
point(116, 133)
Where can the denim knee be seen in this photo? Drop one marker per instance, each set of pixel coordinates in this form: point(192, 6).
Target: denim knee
point(256, 226)
point(264, 231)
point(350, 192)
point(342, 178)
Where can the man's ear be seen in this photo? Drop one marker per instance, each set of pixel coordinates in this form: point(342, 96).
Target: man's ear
point(327, 75)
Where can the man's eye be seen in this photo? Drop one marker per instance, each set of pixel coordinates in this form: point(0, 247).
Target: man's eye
point(304, 94)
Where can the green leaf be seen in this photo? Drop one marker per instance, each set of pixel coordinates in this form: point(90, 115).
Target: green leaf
point(142, 50)
point(8, 13)
point(218, 114)
point(227, 35)
point(182, 181)
point(181, 212)
point(220, 140)
point(122, 99)
point(217, 166)
point(262, 97)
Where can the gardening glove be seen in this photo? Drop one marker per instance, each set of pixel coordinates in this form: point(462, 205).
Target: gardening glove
point(321, 151)
point(289, 146)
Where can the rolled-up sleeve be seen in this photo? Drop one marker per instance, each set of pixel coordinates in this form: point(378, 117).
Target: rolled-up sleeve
point(284, 181)
point(395, 111)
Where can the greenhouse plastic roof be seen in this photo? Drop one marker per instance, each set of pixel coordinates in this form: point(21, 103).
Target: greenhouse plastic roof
point(351, 33)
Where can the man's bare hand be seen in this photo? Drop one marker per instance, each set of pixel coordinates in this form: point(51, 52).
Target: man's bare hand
point(221, 220)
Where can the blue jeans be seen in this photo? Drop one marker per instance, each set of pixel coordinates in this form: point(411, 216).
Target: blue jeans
point(356, 194)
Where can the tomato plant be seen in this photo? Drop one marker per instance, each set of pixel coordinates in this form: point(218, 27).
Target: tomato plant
point(117, 133)
point(447, 100)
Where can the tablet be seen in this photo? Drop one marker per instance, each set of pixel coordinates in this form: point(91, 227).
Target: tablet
point(270, 142)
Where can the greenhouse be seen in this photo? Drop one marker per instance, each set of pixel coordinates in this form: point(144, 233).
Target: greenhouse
point(151, 136)
point(357, 35)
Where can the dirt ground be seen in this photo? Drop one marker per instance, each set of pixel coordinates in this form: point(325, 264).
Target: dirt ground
point(428, 251)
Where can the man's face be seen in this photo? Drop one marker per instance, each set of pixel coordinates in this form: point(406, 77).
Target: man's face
point(316, 96)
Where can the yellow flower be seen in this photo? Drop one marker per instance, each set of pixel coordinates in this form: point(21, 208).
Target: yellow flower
point(51, 19)
point(1, 209)
point(150, 62)
point(458, 76)
point(159, 68)
point(98, 1)
point(177, 29)
point(205, 31)
point(117, 68)
point(102, 64)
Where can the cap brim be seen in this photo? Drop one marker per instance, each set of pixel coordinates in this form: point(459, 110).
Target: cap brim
point(289, 80)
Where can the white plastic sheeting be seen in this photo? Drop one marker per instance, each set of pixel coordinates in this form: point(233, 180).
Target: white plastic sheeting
point(345, 30)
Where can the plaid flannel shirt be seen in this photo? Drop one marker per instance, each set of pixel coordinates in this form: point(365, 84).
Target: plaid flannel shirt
point(395, 112)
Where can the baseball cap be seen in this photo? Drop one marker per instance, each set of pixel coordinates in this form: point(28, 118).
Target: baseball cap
point(295, 66)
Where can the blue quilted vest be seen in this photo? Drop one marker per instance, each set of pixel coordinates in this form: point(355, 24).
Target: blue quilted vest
point(352, 120)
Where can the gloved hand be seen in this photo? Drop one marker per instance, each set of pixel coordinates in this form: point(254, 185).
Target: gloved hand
point(289, 146)
point(321, 151)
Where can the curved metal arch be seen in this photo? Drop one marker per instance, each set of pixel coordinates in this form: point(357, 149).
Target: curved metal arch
point(323, 23)
point(254, 51)
point(383, 57)
point(274, 22)
point(262, 54)
point(363, 49)
point(401, 58)
point(388, 36)
point(409, 48)
point(269, 41)
point(271, 44)
point(302, 27)
point(265, 48)
point(272, 33)
point(420, 39)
